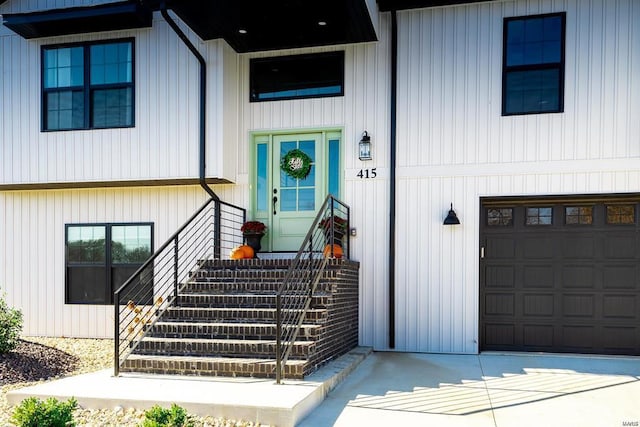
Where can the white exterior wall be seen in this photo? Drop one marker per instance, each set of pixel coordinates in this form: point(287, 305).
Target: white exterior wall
point(163, 145)
point(454, 145)
point(33, 247)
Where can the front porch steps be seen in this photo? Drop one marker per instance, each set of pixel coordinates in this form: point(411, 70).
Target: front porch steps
point(224, 323)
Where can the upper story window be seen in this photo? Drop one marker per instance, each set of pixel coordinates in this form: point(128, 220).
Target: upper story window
point(297, 76)
point(533, 64)
point(87, 86)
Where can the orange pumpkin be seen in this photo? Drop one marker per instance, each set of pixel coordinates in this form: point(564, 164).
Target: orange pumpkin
point(247, 251)
point(236, 253)
point(337, 251)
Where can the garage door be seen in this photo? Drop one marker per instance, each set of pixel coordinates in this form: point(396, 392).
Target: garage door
point(560, 275)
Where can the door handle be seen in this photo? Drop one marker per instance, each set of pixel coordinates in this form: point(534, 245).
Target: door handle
point(275, 200)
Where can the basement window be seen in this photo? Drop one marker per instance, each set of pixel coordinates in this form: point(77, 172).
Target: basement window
point(297, 77)
point(101, 257)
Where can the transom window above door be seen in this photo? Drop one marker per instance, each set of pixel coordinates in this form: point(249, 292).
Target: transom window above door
point(297, 76)
point(88, 86)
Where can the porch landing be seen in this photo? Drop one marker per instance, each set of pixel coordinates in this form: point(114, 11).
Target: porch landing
point(251, 399)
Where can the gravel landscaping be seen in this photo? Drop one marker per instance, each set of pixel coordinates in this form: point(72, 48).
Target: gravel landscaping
point(39, 359)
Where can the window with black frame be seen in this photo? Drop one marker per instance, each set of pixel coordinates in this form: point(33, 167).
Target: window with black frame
point(88, 85)
point(101, 257)
point(533, 64)
point(297, 76)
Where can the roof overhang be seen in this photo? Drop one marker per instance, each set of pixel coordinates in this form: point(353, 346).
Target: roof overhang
point(77, 20)
point(251, 26)
point(247, 25)
point(388, 5)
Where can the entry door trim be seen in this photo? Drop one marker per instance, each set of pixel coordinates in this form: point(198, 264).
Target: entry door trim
point(261, 178)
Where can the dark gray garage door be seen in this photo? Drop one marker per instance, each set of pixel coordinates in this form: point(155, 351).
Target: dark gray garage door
point(560, 275)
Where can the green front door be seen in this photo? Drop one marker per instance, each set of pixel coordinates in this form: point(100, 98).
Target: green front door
point(288, 204)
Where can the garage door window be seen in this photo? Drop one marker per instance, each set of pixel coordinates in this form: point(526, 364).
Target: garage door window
point(500, 217)
point(539, 216)
point(621, 214)
point(579, 215)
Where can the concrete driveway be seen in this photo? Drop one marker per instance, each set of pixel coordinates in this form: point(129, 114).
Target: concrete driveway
point(503, 390)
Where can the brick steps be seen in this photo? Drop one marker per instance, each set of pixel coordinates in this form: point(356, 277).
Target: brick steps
point(218, 347)
point(238, 314)
point(212, 366)
point(238, 300)
point(227, 330)
point(226, 287)
point(223, 322)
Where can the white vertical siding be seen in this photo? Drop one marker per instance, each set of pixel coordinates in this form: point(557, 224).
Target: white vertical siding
point(454, 145)
point(164, 144)
point(32, 247)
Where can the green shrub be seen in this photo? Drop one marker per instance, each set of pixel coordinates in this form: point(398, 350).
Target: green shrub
point(161, 417)
point(10, 326)
point(33, 412)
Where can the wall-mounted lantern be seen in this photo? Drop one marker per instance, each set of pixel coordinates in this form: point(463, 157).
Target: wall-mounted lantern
point(365, 146)
point(452, 218)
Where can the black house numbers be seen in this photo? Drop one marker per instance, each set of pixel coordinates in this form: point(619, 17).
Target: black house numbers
point(367, 173)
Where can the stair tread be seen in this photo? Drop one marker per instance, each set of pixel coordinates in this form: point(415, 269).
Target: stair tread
point(219, 340)
point(232, 324)
point(242, 294)
point(247, 309)
point(211, 359)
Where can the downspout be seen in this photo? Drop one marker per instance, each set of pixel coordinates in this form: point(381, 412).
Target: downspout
point(203, 98)
point(392, 180)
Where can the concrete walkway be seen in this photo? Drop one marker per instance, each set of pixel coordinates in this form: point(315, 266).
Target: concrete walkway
point(392, 389)
point(503, 390)
point(250, 399)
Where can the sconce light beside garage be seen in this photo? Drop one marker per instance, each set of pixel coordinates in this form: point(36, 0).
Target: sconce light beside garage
point(365, 146)
point(452, 218)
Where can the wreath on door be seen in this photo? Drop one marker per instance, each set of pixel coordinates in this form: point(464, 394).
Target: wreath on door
point(296, 163)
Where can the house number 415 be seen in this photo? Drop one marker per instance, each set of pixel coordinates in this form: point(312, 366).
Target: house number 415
point(367, 173)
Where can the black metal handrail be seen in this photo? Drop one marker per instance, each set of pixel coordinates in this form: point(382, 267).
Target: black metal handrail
point(327, 238)
point(214, 229)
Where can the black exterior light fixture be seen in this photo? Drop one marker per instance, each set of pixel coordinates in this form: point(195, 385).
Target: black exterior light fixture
point(365, 146)
point(452, 218)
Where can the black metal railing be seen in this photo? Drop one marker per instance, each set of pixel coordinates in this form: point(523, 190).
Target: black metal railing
point(213, 230)
point(327, 238)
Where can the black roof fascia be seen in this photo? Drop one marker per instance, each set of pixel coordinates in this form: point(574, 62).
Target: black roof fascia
point(388, 5)
point(77, 20)
point(255, 26)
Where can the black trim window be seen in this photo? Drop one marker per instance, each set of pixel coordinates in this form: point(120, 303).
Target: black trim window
point(297, 76)
point(539, 216)
point(500, 217)
point(533, 64)
point(621, 214)
point(101, 257)
point(578, 215)
point(88, 86)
